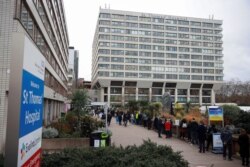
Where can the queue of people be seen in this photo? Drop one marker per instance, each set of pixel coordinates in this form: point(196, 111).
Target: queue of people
point(192, 131)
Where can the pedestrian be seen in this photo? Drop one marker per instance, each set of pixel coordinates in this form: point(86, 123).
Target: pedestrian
point(227, 140)
point(201, 131)
point(137, 118)
point(193, 128)
point(125, 119)
point(120, 118)
point(210, 132)
point(156, 123)
point(183, 129)
point(167, 126)
point(160, 125)
point(244, 147)
point(109, 118)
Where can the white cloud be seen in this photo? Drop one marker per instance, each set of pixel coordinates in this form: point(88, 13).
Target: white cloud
point(82, 18)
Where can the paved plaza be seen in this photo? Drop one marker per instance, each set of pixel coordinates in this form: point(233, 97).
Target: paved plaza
point(133, 134)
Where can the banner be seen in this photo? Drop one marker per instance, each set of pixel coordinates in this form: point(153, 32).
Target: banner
point(215, 114)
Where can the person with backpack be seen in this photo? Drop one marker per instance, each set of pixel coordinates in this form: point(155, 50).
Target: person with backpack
point(227, 140)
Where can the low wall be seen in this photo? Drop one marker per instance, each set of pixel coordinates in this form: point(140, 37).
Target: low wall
point(58, 144)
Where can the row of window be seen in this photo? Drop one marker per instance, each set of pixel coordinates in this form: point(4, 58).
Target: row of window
point(157, 40)
point(155, 48)
point(154, 40)
point(157, 27)
point(117, 99)
point(33, 30)
point(160, 62)
point(158, 76)
point(158, 91)
point(45, 20)
point(51, 82)
point(159, 34)
point(159, 20)
point(161, 69)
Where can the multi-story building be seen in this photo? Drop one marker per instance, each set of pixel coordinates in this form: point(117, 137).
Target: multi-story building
point(43, 23)
point(140, 56)
point(73, 69)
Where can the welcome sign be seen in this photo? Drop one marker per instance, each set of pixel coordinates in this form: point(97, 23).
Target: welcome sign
point(25, 115)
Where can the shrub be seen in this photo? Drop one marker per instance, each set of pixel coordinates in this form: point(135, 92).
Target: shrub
point(49, 133)
point(148, 154)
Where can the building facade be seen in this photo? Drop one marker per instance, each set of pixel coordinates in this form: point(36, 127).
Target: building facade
point(43, 23)
point(141, 56)
point(73, 69)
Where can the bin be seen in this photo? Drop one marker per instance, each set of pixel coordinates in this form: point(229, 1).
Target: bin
point(99, 139)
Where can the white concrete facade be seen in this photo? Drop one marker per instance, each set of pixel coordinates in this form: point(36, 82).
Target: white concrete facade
point(43, 22)
point(140, 56)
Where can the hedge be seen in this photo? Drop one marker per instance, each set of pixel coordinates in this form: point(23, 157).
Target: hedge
point(147, 155)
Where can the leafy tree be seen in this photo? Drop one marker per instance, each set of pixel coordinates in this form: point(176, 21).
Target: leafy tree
point(243, 121)
point(155, 109)
point(187, 106)
point(79, 101)
point(133, 106)
point(231, 113)
point(144, 105)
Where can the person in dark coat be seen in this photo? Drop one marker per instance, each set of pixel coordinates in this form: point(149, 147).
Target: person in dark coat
point(156, 123)
point(193, 128)
point(109, 118)
point(201, 131)
point(210, 132)
point(160, 125)
point(227, 140)
point(244, 147)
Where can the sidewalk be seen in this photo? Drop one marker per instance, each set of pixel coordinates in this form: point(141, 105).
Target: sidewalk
point(133, 134)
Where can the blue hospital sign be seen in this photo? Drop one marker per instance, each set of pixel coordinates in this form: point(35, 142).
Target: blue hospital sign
point(31, 103)
point(31, 107)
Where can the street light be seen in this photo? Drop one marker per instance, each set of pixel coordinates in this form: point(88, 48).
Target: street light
point(106, 117)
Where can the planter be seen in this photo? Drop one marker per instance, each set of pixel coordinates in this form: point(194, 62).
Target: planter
point(58, 144)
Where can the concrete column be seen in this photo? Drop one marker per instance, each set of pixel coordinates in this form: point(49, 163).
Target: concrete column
point(212, 97)
point(150, 94)
point(109, 95)
point(200, 96)
point(101, 94)
point(136, 93)
point(123, 96)
point(163, 91)
point(175, 95)
point(188, 94)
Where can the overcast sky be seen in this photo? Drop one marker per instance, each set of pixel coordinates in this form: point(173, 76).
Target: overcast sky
point(82, 17)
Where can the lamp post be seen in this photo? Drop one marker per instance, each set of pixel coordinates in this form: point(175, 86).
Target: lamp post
point(106, 116)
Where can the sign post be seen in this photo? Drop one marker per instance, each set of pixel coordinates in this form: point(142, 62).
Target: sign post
point(217, 144)
point(25, 112)
point(215, 114)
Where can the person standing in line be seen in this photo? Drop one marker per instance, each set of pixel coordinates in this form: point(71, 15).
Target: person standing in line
point(244, 147)
point(227, 140)
point(193, 127)
point(160, 125)
point(183, 129)
point(210, 132)
point(201, 131)
point(168, 128)
point(120, 118)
